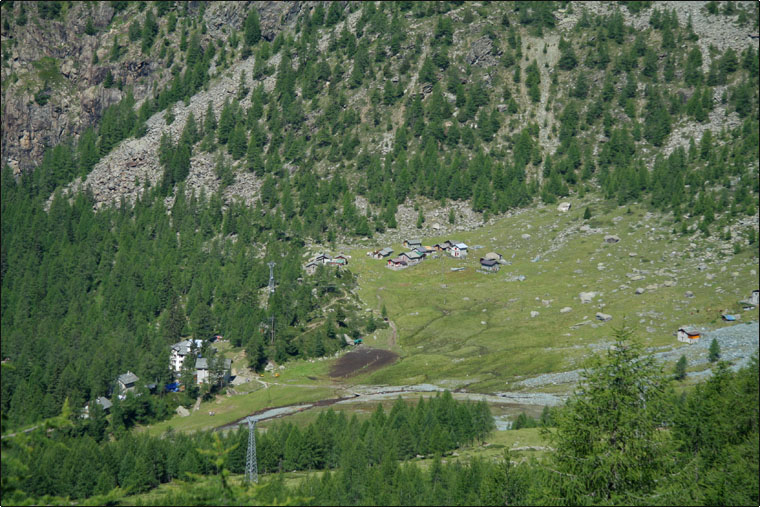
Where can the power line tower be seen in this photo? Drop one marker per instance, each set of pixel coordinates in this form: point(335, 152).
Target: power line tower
point(271, 277)
point(251, 465)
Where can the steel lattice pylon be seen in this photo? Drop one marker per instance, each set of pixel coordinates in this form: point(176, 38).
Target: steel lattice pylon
point(271, 276)
point(251, 466)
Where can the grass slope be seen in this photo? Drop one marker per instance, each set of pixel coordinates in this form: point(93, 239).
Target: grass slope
point(475, 329)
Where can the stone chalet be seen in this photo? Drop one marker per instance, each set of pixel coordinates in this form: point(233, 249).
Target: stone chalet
point(203, 372)
point(489, 265)
point(127, 381)
point(103, 402)
point(380, 254)
point(338, 260)
point(688, 335)
point(443, 247)
point(311, 268)
point(397, 263)
point(412, 258)
point(412, 243)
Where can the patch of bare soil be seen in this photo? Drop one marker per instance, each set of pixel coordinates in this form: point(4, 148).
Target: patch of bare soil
point(362, 360)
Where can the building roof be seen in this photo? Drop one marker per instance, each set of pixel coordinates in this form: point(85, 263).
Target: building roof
point(128, 378)
point(421, 249)
point(398, 260)
point(386, 251)
point(183, 347)
point(488, 262)
point(413, 241)
point(413, 254)
point(461, 246)
point(729, 318)
point(312, 263)
point(691, 331)
point(202, 363)
point(492, 255)
point(104, 402)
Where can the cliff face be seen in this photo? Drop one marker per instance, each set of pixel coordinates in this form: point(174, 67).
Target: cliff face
point(57, 59)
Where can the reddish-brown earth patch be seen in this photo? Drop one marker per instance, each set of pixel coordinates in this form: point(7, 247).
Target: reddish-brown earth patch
point(362, 360)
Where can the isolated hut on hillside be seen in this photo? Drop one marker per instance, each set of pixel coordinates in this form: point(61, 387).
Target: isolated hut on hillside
point(688, 335)
point(489, 265)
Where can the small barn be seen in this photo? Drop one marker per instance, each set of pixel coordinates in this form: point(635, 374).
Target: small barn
point(755, 297)
point(459, 250)
point(688, 335)
point(421, 250)
point(489, 265)
point(442, 247)
point(728, 318)
point(412, 258)
point(412, 243)
point(321, 258)
point(338, 260)
point(381, 254)
point(105, 403)
point(127, 381)
point(311, 268)
point(397, 263)
point(204, 370)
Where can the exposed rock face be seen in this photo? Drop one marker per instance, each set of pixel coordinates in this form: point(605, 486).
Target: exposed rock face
point(77, 95)
point(482, 53)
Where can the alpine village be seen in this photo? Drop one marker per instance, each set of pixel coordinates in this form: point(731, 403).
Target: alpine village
point(380, 253)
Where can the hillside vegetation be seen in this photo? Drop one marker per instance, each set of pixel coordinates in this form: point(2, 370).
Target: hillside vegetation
point(158, 155)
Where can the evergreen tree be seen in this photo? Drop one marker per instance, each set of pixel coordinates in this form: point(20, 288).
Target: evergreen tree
point(606, 440)
point(252, 27)
point(679, 372)
point(714, 350)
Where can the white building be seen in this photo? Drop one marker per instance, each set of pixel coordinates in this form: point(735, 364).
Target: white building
point(179, 351)
point(688, 335)
point(459, 250)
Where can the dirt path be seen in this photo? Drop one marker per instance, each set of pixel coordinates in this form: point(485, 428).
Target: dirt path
point(392, 337)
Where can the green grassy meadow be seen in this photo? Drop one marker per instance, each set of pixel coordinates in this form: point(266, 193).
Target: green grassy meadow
point(475, 329)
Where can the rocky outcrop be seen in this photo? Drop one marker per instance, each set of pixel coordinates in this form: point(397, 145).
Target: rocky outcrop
point(77, 95)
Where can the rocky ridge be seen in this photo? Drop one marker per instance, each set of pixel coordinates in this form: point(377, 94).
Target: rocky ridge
point(78, 97)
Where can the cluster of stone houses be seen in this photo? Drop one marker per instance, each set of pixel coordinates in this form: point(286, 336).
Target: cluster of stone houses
point(417, 252)
point(323, 259)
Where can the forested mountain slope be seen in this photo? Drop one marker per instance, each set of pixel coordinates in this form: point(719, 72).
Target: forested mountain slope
point(262, 128)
